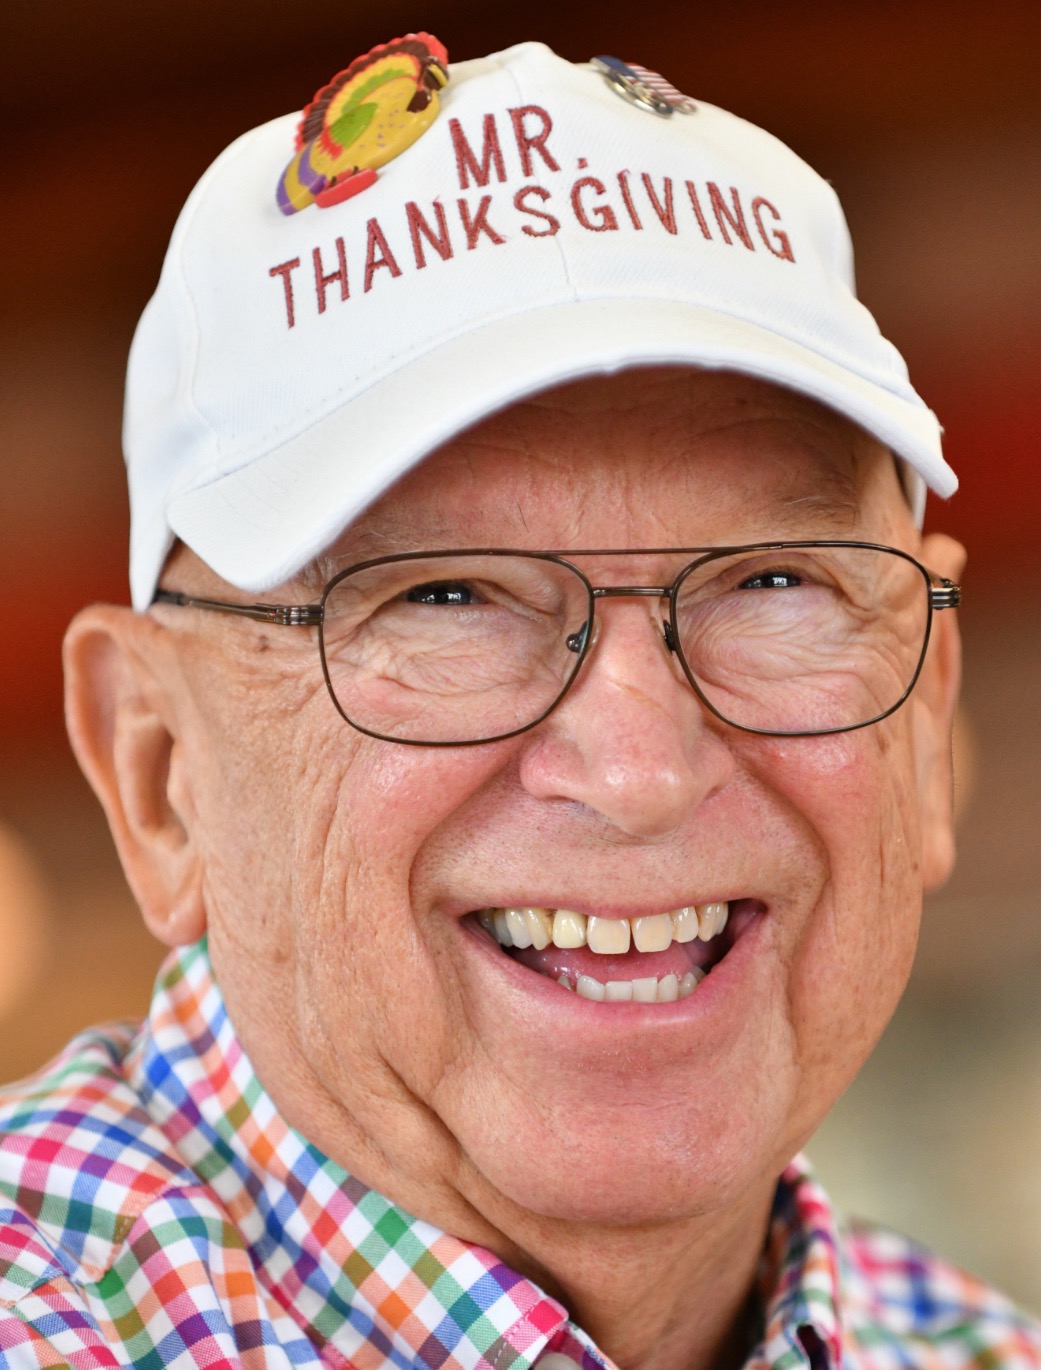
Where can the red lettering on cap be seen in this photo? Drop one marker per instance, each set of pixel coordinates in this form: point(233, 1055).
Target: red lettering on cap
point(285, 270)
point(725, 215)
point(418, 227)
point(607, 220)
point(465, 160)
point(376, 241)
point(474, 227)
point(322, 281)
point(665, 212)
point(519, 201)
point(695, 205)
point(783, 248)
point(528, 143)
point(627, 197)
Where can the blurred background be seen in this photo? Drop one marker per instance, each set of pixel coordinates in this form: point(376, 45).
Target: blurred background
point(926, 116)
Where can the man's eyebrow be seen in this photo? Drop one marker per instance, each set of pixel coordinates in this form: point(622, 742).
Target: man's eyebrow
point(385, 541)
point(835, 510)
point(828, 500)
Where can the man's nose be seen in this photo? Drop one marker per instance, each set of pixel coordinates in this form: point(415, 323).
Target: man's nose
point(631, 740)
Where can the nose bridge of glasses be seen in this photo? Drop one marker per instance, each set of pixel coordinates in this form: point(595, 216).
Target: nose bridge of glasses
point(624, 591)
point(659, 592)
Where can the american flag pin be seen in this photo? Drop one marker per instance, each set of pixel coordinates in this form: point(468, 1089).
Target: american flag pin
point(643, 87)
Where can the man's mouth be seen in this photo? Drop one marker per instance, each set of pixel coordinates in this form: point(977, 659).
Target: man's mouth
point(659, 958)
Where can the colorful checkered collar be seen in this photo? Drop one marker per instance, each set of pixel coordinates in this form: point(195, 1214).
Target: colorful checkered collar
point(371, 1283)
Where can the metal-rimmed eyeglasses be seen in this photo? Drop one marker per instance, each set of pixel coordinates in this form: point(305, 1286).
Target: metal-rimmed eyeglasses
point(456, 648)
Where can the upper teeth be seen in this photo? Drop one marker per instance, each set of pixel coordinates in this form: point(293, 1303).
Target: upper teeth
point(534, 927)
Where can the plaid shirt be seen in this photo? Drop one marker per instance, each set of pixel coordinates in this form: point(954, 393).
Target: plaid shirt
point(155, 1211)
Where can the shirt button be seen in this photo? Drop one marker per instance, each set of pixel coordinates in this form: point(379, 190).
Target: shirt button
point(556, 1360)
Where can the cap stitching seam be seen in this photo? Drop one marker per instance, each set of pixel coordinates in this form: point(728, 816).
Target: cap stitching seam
point(193, 361)
point(556, 239)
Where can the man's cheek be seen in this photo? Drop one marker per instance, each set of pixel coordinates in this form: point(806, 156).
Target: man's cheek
point(825, 780)
point(395, 799)
point(863, 768)
point(869, 823)
point(856, 792)
point(858, 943)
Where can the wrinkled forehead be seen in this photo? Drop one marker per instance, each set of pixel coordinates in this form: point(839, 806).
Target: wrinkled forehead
point(650, 457)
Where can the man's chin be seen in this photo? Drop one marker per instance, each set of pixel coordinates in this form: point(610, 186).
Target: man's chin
point(643, 1172)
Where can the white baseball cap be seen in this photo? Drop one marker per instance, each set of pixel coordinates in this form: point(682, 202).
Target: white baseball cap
point(291, 366)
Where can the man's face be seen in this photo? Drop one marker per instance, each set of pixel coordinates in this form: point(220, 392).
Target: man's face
point(342, 876)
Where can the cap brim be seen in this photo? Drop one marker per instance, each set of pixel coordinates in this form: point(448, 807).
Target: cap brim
point(257, 526)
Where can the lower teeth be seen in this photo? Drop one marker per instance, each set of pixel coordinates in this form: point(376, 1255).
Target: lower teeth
point(644, 991)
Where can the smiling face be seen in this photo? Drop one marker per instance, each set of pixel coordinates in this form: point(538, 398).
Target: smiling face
point(350, 885)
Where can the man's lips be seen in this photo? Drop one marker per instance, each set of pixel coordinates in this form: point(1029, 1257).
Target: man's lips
point(656, 958)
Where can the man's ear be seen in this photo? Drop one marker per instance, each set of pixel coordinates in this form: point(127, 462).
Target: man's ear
point(122, 716)
point(934, 702)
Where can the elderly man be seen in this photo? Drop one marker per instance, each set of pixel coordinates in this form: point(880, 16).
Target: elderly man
point(532, 738)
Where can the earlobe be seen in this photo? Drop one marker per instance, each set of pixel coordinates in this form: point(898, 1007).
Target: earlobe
point(122, 725)
point(935, 703)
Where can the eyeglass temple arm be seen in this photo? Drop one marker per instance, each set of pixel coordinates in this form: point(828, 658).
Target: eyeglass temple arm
point(283, 615)
point(946, 595)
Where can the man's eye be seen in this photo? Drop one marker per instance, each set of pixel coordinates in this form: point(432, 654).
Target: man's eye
point(771, 580)
point(451, 592)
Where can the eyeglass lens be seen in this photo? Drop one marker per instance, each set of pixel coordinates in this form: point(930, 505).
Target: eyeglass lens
point(466, 648)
